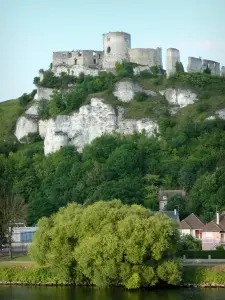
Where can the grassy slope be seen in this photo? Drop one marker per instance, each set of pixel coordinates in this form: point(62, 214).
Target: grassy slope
point(154, 107)
point(9, 112)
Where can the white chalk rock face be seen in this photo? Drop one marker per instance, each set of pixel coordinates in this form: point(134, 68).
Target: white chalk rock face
point(90, 122)
point(126, 89)
point(33, 109)
point(179, 97)
point(24, 126)
point(43, 93)
point(221, 113)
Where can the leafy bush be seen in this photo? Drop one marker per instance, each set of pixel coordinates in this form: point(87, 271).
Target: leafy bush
point(109, 244)
point(204, 275)
point(124, 69)
point(140, 96)
point(220, 248)
point(26, 98)
point(179, 67)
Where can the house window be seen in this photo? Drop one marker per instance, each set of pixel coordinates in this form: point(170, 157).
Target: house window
point(94, 61)
point(99, 56)
point(108, 50)
point(26, 237)
point(75, 61)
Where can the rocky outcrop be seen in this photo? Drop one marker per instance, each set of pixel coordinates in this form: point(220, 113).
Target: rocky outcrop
point(125, 90)
point(178, 97)
point(43, 93)
point(90, 122)
point(24, 126)
point(219, 114)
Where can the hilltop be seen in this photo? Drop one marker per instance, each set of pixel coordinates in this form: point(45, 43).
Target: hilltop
point(186, 150)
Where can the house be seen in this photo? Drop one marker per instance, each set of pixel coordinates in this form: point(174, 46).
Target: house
point(165, 195)
point(174, 214)
point(22, 236)
point(192, 225)
point(213, 233)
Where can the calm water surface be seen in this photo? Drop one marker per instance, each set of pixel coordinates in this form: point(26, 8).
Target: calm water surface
point(81, 293)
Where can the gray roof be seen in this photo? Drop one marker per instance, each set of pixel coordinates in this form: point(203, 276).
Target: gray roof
point(170, 214)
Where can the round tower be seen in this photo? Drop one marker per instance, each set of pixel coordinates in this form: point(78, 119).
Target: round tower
point(172, 57)
point(115, 46)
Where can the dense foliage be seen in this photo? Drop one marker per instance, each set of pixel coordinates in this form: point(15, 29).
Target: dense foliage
point(66, 100)
point(189, 154)
point(109, 243)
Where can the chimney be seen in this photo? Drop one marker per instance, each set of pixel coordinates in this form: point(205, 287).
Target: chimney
point(217, 218)
point(175, 212)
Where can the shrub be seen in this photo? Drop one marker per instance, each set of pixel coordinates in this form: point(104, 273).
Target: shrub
point(140, 96)
point(220, 248)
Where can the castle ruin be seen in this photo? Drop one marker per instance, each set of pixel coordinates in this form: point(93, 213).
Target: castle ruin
point(117, 48)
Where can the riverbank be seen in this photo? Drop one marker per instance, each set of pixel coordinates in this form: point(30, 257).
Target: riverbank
point(31, 274)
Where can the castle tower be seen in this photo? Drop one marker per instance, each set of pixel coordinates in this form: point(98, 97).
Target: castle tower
point(159, 56)
point(172, 57)
point(222, 72)
point(115, 46)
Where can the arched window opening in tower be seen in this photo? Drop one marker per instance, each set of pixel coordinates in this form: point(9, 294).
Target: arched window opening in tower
point(108, 50)
point(94, 60)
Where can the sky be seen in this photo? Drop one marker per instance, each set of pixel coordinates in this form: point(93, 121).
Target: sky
point(30, 30)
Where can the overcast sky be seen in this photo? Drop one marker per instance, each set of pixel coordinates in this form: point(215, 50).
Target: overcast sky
point(30, 30)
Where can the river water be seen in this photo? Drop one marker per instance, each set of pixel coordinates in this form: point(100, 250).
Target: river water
point(87, 293)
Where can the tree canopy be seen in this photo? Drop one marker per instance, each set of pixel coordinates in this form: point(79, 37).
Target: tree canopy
point(108, 243)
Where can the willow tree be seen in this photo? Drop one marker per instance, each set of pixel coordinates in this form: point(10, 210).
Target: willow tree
point(107, 244)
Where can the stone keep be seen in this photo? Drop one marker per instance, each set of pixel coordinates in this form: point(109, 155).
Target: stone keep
point(115, 47)
point(172, 57)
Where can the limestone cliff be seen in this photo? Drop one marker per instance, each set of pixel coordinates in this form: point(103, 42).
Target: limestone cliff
point(95, 119)
point(90, 122)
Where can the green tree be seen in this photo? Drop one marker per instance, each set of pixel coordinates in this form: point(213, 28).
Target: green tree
point(151, 186)
point(179, 67)
point(109, 243)
point(12, 210)
point(188, 242)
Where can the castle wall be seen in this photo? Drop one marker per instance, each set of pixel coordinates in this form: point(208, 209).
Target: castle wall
point(172, 57)
point(143, 56)
point(75, 70)
point(222, 73)
point(88, 58)
point(194, 65)
point(213, 66)
point(115, 45)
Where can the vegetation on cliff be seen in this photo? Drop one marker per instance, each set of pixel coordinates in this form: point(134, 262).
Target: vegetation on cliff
point(189, 153)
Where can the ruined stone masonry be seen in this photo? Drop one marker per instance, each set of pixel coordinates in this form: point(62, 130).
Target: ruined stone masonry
point(117, 48)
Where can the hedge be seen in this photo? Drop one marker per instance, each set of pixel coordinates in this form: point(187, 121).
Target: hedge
point(204, 254)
